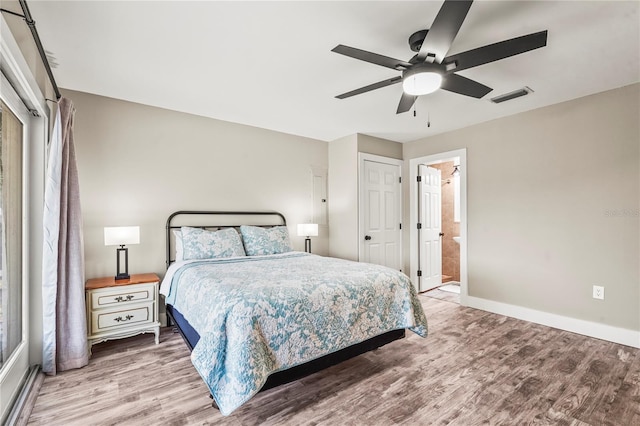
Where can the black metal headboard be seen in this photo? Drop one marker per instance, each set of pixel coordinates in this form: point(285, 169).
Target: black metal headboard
point(219, 220)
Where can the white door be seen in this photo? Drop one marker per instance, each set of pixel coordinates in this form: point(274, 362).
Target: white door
point(429, 228)
point(380, 214)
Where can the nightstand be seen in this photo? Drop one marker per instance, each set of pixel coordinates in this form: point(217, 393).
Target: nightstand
point(122, 308)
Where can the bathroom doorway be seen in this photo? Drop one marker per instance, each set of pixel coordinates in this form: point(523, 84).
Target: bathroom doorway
point(449, 226)
point(439, 267)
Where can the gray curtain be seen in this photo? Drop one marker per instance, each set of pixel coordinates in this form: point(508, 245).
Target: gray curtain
point(64, 326)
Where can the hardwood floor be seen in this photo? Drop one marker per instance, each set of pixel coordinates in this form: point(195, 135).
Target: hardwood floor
point(436, 293)
point(474, 368)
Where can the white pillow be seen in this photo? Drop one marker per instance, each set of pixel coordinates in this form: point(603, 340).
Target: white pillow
point(177, 234)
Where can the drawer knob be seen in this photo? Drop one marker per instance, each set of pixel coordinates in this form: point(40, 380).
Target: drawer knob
point(124, 299)
point(126, 318)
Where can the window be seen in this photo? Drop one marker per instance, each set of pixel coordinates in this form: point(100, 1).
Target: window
point(11, 152)
point(23, 134)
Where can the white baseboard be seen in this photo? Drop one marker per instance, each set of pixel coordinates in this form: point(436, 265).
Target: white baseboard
point(587, 328)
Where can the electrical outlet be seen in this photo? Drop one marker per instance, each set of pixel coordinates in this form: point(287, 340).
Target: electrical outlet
point(598, 292)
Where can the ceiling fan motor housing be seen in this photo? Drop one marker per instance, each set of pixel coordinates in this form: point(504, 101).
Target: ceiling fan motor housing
point(424, 67)
point(416, 39)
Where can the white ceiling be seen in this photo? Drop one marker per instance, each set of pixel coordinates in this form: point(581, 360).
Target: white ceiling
point(270, 65)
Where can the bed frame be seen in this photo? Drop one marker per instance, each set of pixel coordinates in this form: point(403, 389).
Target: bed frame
point(229, 219)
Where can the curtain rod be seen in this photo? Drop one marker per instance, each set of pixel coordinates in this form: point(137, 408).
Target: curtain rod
point(36, 38)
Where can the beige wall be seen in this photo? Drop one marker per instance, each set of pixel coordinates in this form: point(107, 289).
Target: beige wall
point(553, 201)
point(343, 198)
point(138, 164)
point(378, 146)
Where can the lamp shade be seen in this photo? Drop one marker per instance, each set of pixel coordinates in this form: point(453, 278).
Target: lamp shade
point(308, 230)
point(121, 235)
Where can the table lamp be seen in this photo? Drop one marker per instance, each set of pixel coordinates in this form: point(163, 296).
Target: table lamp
point(119, 236)
point(307, 230)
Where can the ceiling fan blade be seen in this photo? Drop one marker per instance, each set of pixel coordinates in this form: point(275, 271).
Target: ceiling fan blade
point(444, 29)
point(464, 86)
point(406, 102)
point(374, 86)
point(374, 58)
point(496, 51)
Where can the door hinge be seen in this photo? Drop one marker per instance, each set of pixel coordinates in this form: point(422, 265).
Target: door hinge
point(400, 179)
point(419, 226)
point(419, 273)
point(419, 178)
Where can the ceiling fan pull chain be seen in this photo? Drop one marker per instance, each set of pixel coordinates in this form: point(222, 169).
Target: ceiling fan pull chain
point(428, 120)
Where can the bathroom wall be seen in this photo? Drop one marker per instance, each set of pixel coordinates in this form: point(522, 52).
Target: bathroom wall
point(450, 249)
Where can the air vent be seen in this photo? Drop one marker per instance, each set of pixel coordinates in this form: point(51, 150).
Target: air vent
point(512, 95)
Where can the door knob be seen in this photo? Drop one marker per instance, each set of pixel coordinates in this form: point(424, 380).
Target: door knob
point(367, 237)
point(442, 234)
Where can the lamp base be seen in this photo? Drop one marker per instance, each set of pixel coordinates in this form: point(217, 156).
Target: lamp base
point(307, 245)
point(122, 275)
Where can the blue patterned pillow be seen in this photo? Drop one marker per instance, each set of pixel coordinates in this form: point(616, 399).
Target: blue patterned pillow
point(259, 241)
point(201, 244)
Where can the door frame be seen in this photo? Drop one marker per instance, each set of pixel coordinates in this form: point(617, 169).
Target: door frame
point(362, 157)
point(414, 198)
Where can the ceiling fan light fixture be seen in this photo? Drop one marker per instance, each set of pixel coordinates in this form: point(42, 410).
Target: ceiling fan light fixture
point(422, 83)
point(422, 79)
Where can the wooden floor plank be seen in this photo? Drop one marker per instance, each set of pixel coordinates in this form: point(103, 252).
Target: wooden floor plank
point(474, 368)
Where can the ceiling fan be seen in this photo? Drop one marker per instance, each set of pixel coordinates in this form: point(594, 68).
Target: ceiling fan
point(430, 69)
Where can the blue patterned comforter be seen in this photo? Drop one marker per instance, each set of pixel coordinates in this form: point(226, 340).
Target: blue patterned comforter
point(261, 314)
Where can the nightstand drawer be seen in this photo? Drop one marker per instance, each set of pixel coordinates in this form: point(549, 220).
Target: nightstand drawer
point(121, 295)
point(104, 320)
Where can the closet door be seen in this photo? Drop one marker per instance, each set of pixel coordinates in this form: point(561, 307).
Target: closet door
point(380, 211)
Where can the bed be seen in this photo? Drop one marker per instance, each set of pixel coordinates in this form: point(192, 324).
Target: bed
point(256, 314)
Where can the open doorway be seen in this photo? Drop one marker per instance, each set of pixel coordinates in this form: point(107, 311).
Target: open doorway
point(438, 225)
point(448, 285)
